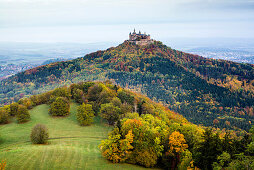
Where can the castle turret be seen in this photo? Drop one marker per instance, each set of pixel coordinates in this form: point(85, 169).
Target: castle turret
point(140, 39)
point(130, 36)
point(148, 37)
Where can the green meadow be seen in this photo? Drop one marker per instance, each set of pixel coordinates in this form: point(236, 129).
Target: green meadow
point(70, 146)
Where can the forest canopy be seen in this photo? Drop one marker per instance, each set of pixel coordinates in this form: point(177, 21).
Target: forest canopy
point(144, 132)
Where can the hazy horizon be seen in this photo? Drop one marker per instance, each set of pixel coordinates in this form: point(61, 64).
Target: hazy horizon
point(90, 21)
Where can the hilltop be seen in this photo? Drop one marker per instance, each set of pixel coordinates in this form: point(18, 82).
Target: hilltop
point(211, 92)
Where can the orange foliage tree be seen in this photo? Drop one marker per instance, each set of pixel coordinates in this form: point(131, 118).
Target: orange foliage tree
point(177, 145)
point(2, 165)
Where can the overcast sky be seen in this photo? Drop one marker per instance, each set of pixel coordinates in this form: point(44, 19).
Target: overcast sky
point(112, 20)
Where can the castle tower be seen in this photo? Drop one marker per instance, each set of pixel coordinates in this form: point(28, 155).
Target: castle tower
point(148, 37)
point(140, 39)
point(130, 36)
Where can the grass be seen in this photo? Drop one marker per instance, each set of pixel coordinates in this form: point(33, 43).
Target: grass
point(70, 147)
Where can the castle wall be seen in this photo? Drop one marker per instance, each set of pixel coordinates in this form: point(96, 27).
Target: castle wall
point(140, 39)
point(144, 42)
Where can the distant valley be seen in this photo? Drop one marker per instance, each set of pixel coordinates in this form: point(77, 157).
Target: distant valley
point(18, 57)
point(239, 56)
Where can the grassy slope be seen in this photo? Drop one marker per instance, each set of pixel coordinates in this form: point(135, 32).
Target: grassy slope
point(80, 151)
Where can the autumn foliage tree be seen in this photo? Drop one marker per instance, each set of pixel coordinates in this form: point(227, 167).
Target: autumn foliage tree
point(4, 116)
point(60, 107)
point(110, 112)
point(61, 92)
point(117, 148)
point(14, 109)
point(22, 114)
point(26, 102)
point(85, 114)
point(124, 96)
point(147, 146)
point(177, 145)
point(94, 92)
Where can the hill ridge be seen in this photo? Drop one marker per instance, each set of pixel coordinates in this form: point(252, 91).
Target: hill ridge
point(204, 90)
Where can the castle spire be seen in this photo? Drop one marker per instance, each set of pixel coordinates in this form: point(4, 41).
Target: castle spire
point(139, 38)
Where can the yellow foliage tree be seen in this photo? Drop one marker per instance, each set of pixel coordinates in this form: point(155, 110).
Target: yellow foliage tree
point(177, 145)
point(125, 145)
point(116, 149)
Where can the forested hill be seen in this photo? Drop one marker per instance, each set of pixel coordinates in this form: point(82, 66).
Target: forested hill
point(206, 91)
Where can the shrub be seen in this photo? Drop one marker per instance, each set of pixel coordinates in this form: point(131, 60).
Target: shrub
point(73, 88)
point(39, 134)
point(35, 100)
point(61, 92)
point(60, 107)
point(94, 92)
point(52, 99)
point(85, 114)
point(22, 114)
point(77, 95)
point(26, 102)
point(14, 109)
point(147, 158)
point(110, 112)
point(4, 116)
point(7, 108)
point(41, 98)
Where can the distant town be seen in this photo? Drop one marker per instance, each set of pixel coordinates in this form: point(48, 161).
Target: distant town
point(225, 54)
point(11, 69)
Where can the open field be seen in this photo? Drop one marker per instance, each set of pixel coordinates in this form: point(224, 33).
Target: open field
point(70, 147)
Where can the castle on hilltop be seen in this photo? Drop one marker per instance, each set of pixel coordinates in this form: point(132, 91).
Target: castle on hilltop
point(140, 39)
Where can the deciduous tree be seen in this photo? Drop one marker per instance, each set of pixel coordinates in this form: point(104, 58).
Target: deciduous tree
point(22, 114)
point(60, 107)
point(85, 114)
point(110, 112)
